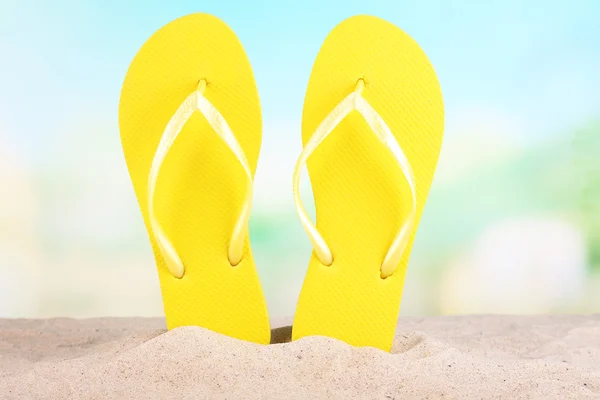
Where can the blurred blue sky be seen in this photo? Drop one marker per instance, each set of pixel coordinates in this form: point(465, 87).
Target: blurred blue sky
point(534, 60)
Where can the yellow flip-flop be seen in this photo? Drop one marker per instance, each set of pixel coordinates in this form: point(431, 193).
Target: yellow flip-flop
point(191, 132)
point(372, 130)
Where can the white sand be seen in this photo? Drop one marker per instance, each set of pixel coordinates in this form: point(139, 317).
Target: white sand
point(552, 357)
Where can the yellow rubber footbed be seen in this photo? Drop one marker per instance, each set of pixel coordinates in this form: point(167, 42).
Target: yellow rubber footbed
point(360, 193)
point(201, 186)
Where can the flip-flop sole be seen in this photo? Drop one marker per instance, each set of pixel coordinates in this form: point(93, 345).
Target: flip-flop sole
point(201, 186)
point(360, 193)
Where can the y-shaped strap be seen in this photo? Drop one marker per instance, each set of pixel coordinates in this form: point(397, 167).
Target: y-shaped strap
point(197, 102)
point(355, 102)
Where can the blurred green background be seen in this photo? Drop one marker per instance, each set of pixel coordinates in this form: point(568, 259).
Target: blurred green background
point(512, 224)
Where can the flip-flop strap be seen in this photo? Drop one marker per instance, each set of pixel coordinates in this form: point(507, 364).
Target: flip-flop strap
point(356, 102)
point(197, 102)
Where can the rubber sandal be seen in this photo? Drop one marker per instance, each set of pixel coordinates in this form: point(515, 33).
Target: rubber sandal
point(372, 130)
point(191, 132)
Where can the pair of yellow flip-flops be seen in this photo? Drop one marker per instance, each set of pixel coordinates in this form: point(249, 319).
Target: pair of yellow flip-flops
point(372, 130)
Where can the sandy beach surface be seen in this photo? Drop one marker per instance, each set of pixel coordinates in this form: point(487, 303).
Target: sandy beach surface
point(478, 357)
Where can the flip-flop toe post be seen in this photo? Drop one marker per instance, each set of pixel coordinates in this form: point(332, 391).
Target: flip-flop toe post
point(190, 125)
point(372, 129)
